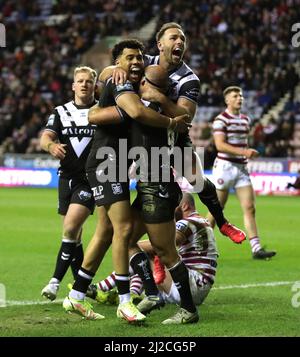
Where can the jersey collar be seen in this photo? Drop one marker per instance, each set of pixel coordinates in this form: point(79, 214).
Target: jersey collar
point(84, 106)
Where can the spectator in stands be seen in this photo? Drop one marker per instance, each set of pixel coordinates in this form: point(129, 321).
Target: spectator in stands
point(257, 137)
point(225, 54)
point(231, 130)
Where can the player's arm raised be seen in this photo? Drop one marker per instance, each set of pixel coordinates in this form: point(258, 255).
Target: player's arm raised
point(108, 115)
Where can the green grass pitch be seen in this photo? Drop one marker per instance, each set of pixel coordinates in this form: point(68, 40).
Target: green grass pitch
point(250, 298)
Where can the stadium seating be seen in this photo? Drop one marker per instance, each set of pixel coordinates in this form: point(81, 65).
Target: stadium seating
point(243, 44)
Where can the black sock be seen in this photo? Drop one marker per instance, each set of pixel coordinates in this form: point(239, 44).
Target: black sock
point(64, 258)
point(141, 266)
point(123, 283)
point(209, 197)
point(180, 277)
point(83, 280)
point(77, 259)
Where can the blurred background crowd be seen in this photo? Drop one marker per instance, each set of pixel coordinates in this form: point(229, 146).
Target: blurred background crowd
point(230, 42)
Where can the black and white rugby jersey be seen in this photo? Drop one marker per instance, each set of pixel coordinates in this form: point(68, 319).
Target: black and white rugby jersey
point(70, 123)
point(185, 83)
point(109, 135)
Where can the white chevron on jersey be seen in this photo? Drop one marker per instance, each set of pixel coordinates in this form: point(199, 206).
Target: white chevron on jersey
point(78, 116)
point(79, 145)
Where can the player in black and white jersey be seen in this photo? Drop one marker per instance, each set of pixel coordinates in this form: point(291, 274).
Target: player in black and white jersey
point(158, 194)
point(112, 193)
point(153, 209)
point(171, 42)
point(68, 137)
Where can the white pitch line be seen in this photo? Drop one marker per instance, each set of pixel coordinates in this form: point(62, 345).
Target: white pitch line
point(222, 287)
point(247, 286)
point(32, 302)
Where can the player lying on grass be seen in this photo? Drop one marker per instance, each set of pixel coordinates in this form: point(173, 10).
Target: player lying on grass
point(197, 248)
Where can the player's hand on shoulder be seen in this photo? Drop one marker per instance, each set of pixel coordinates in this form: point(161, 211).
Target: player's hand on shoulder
point(119, 76)
point(106, 73)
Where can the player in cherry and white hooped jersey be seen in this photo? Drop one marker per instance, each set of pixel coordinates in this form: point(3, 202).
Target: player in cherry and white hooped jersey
point(236, 128)
point(198, 251)
point(231, 131)
point(197, 248)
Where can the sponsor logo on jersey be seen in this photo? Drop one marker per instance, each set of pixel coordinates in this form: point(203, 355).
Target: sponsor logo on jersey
point(116, 188)
point(84, 195)
point(78, 131)
point(97, 192)
point(192, 93)
point(181, 226)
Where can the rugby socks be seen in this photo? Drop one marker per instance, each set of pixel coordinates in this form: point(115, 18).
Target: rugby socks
point(54, 281)
point(122, 283)
point(180, 277)
point(141, 266)
point(108, 283)
point(64, 258)
point(77, 259)
point(209, 197)
point(136, 285)
point(255, 244)
point(82, 282)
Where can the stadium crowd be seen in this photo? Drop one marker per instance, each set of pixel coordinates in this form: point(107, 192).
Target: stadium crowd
point(245, 44)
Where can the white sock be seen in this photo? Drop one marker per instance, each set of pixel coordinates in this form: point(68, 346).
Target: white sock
point(255, 244)
point(124, 298)
point(77, 295)
point(54, 281)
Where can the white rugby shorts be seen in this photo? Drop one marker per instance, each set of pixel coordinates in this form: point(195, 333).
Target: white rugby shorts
point(200, 288)
point(226, 175)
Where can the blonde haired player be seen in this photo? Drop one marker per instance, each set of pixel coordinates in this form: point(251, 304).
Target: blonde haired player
point(68, 137)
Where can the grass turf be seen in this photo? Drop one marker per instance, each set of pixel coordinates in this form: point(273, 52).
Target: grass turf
point(30, 238)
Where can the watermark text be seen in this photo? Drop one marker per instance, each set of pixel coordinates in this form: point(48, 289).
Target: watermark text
point(296, 37)
point(2, 35)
